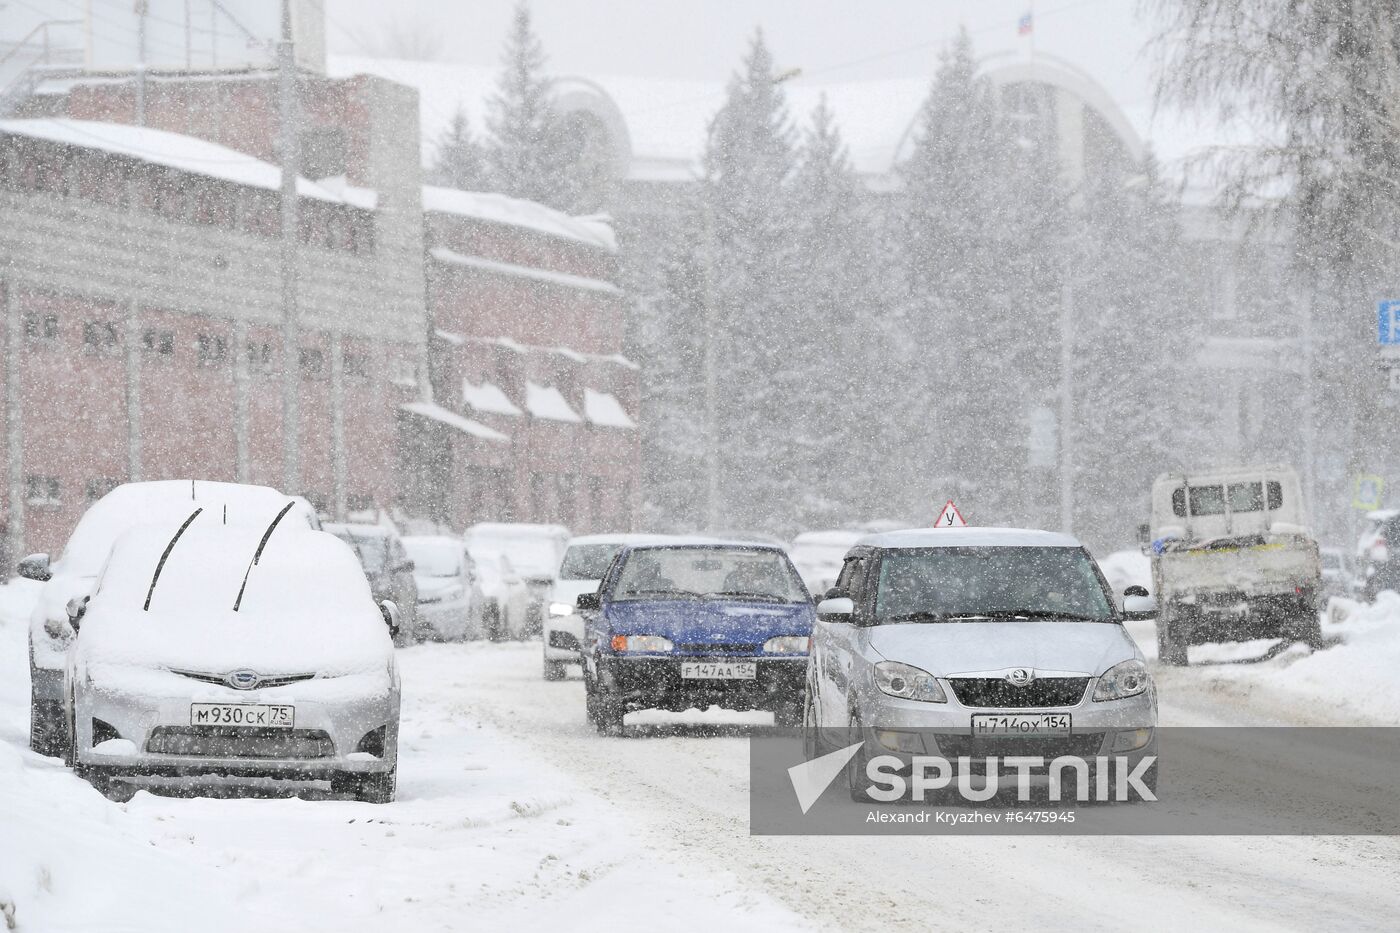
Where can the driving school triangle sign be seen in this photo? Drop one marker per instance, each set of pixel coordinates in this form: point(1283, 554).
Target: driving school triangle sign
point(950, 517)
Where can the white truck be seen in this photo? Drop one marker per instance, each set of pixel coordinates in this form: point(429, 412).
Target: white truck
point(1232, 559)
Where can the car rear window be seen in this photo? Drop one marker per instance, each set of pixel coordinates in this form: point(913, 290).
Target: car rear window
point(1243, 497)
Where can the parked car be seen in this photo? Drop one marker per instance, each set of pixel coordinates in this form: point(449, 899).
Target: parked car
point(961, 637)
point(1338, 577)
point(449, 593)
point(1376, 570)
point(528, 558)
point(586, 559)
point(218, 654)
point(682, 626)
point(387, 567)
point(817, 555)
point(75, 570)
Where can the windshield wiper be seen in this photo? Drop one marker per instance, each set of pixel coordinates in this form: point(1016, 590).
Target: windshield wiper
point(160, 564)
point(740, 594)
point(921, 616)
point(1026, 614)
point(634, 593)
point(258, 553)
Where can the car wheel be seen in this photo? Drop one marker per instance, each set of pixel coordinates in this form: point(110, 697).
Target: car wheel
point(856, 781)
point(367, 788)
point(604, 711)
point(790, 714)
point(811, 733)
point(554, 670)
point(48, 726)
point(1306, 628)
point(106, 784)
point(1171, 648)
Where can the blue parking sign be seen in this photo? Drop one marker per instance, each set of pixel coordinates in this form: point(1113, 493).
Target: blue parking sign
point(1388, 323)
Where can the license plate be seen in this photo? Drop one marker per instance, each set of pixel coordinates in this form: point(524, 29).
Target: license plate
point(719, 670)
point(256, 716)
point(1021, 724)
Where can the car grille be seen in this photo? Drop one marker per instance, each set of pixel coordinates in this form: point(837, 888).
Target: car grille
point(999, 693)
point(222, 679)
point(227, 742)
point(1040, 746)
point(718, 649)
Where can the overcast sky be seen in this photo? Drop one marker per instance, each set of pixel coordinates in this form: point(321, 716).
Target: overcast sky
point(830, 40)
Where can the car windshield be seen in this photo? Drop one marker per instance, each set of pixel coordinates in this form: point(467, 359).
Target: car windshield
point(435, 558)
point(716, 573)
point(587, 561)
point(958, 583)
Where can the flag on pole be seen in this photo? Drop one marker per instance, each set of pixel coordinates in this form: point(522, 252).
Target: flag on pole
point(1025, 24)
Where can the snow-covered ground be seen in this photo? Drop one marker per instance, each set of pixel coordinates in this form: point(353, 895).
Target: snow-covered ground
point(513, 814)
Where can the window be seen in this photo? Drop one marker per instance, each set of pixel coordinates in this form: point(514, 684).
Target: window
point(99, 487)
point(211, 350)
point(313, 363)
point(41, 490)
point(356, 364)
point(158, 342)
point(41, 327)
point(101, 337)
point(1243, 497)
point(260, 361)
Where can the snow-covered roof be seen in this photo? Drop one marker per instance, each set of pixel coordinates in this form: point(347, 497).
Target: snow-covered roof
point(968, 537)
point(185, 153)
point(453, 420)
point(605, 410)
point(564, 279)
point(593, 230)
point(625, 538)
point(487, 398)
point(549, 403)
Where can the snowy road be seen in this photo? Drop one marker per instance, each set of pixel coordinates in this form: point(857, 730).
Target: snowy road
point(513, 813)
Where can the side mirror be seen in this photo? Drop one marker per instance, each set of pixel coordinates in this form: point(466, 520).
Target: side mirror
point(1137, 607)
point(35, 567)
point(390, 611)
point(839, 608)
point(1136, 590)
point(591, 601)
point(77, 608)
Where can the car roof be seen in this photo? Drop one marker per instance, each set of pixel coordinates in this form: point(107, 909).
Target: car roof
point(445, 540)
point(968, 537)
point(516, 530)
point(684, 542)
point(624, 538)
point(358, 530)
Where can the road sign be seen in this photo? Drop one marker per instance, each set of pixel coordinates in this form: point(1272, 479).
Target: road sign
point(1366, 493)
point(1388, 322)
point(950, 517)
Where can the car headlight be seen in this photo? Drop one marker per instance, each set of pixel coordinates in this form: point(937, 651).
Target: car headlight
point(908, 682)
point(653, 644)
point(561, 609)
point(1123, 680)
point(787, 644)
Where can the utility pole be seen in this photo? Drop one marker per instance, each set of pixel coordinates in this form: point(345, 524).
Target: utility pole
point(141, 9)
point(291, 364)
point(711, 373)
point(1309, 407)
point(1067, 402)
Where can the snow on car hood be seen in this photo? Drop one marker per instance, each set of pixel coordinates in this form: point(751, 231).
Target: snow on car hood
point(949, 648)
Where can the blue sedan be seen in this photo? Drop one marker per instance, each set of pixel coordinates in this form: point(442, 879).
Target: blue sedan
point(682, 626)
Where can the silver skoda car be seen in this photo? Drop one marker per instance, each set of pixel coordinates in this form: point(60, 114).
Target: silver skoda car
point(978, 641)
point(217, 653)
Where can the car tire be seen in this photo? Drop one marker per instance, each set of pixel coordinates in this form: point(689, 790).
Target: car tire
point(1306, 628)
point(604, 711)
point(367, 788)
point(554, 670)
point(1171, 648)
point(790, 714)
point(856, 781)
point(105, 783)
point(48, 725)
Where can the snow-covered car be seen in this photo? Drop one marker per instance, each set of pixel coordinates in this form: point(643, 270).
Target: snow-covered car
point(76, 569)
point(212, 653)
point(387, 567)
point(585, 561)
point(694, 625)
point(963, 637)
point(527, 558)
point(449, 594)
point(817, 555)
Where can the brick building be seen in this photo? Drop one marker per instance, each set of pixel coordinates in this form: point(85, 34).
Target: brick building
point(142, 334)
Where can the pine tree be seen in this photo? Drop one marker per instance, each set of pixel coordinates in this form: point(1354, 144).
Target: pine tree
point(523, 151)
point(459, 161)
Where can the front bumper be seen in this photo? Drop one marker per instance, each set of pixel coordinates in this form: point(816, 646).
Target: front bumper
point(341, 725)
point(656, 683)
